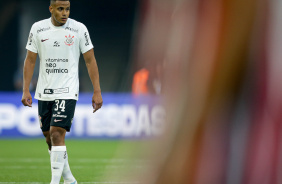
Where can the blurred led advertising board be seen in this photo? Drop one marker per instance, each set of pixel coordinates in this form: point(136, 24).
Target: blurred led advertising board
point(122, 116)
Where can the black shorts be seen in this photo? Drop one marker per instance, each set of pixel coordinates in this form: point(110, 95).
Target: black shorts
point(57, 113)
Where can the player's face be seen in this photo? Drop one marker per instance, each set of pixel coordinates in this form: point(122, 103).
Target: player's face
point(60, 11)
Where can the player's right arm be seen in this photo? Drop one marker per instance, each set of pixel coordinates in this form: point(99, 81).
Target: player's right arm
point(28, 69)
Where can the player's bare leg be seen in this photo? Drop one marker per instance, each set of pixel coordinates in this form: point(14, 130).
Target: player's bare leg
point(48, 139)
point(59, 158)
point(57, 135)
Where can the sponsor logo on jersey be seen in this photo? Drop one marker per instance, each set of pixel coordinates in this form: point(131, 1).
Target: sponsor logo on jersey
point(43, 29)
point(48, 91)
point(71, 29)
point(57, 120)
point(57, 70)
point(59, 116)
point(56, 91)
point(30, 38)
point(51, 66)
point(56, 60)
point(86, 39)
point(56, 44)
point(44, 40)
point(69, 41)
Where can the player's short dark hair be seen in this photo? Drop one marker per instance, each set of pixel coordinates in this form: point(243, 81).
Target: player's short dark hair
point(53, 1)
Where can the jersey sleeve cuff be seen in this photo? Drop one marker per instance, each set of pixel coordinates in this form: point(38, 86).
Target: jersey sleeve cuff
point(32, 50)
point(87, 49)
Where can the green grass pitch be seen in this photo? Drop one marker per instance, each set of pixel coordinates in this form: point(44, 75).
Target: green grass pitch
point(92, 161)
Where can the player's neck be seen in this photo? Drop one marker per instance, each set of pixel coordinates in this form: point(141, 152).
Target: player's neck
point(56, 23)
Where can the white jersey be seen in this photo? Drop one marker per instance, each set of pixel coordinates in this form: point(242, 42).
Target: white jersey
point(59, 51)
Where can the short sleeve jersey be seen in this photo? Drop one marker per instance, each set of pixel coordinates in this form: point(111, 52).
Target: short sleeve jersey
point(59, 50)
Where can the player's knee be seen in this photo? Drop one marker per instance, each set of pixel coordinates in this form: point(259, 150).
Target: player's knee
point(57, 135)
point(56, 138)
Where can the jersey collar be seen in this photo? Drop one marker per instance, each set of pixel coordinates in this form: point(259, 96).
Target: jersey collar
point(58, 27)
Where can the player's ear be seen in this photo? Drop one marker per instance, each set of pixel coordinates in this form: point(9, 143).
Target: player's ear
point(51, 9)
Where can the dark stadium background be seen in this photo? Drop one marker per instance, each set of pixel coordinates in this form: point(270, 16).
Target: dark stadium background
point(111, 27)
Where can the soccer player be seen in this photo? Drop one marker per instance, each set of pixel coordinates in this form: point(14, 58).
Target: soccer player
point(58, 41)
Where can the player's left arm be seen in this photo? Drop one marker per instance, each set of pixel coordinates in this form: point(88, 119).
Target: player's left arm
point(93, 72)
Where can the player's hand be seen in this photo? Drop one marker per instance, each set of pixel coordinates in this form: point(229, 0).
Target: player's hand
point(27, 99)
point(97, 101)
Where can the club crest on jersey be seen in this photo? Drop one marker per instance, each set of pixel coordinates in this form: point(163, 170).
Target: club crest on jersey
point(69, 41)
